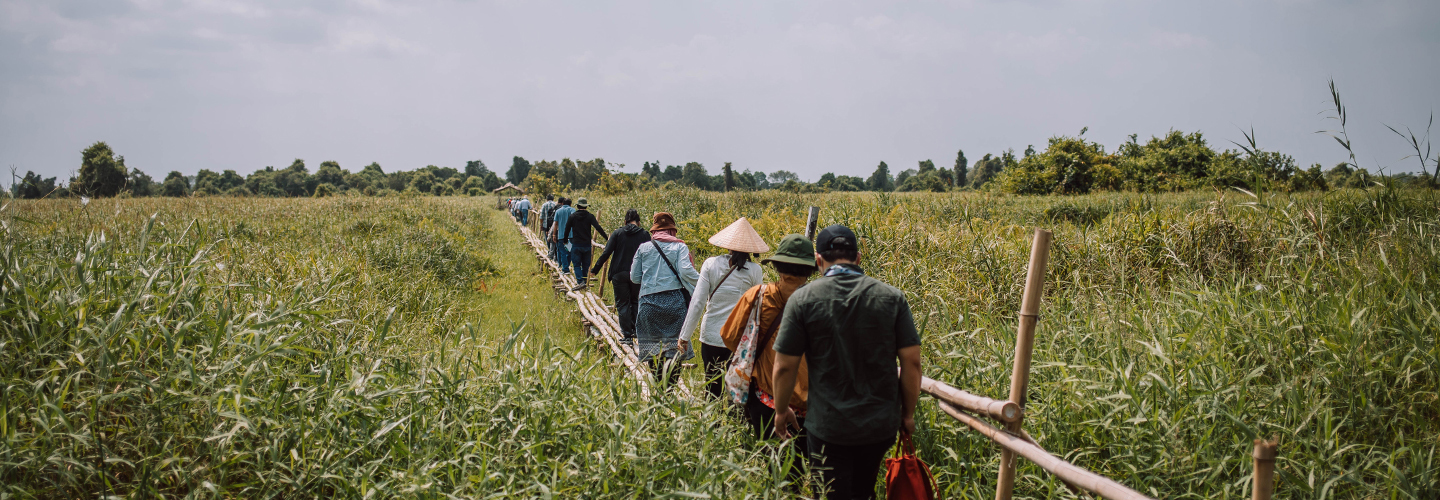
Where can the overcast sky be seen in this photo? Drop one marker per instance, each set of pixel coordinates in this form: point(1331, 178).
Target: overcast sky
point(807, 86)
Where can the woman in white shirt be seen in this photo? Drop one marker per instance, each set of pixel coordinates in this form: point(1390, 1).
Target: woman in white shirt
point(723, 279)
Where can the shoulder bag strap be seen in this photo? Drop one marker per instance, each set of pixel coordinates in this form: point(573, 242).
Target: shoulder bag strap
point(668, 264)
point(722, 282)
point(769, 332)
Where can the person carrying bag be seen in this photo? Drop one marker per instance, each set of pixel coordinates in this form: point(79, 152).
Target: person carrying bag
point(665, 286)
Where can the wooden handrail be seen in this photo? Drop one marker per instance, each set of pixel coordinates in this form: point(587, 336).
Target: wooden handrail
point(1080, 478)
point(1004, 411)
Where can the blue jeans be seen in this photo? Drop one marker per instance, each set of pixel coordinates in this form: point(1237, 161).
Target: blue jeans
point(524, 217)
point(580, 260)
point(562, 256)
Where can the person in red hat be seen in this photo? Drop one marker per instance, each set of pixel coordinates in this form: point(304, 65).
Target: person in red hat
point(667, 276)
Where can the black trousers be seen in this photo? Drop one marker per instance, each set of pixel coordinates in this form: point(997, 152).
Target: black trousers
point(848, 472)
point(627, 303)
point(762, 420)
point(716, 359)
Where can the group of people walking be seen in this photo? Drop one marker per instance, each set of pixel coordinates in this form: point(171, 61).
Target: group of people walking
point(813, 362)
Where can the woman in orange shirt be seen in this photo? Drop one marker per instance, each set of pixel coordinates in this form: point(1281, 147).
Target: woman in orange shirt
point(794, 260)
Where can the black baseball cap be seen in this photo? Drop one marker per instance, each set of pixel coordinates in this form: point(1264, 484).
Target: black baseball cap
point(836, 237)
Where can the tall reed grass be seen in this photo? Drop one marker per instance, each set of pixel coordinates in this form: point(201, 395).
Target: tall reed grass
point(1176, 328)
point(339, 347)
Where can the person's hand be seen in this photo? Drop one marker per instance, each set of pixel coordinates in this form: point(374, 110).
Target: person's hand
point(907, 425)
point(684, 345)
point(784, 420)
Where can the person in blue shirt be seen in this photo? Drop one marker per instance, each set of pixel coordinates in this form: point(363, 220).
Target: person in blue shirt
point(557, 231)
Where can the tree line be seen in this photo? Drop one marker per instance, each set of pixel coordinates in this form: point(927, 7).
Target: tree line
point(1068, 165)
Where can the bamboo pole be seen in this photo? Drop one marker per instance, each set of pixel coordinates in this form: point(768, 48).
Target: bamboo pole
point(1004, 411)
point(1263, 484)
point(810, 223)
point(1067, 472)
point(1024, 346)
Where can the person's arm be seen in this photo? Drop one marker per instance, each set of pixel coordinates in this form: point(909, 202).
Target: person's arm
point(635, 268)
point(907, 343)
point(909, 386)
point(790, 343)
point(686, 263)
point(605, 254)
point(698, 303)
point(596, 223)
point(787, 367)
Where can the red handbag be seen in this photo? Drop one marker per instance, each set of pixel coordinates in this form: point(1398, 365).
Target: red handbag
point(906, 477)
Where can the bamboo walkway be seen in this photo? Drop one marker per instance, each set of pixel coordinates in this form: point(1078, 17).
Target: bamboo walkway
point(598, 320)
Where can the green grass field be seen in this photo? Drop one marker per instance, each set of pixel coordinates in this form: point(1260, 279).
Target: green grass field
point(361, 347)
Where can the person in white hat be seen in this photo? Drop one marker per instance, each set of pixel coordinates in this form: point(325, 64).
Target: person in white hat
point(723, 279)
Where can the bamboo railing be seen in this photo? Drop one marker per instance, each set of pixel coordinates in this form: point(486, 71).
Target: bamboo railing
point(1015, 442)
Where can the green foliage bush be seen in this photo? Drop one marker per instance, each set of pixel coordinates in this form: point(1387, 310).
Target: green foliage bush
point(1068, 166)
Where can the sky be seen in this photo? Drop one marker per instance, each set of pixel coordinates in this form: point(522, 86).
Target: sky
point(805, 86)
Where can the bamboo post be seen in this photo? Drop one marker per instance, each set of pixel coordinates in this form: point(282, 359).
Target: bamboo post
point(1263, 485)
point(810, 223)
point(1024, 345)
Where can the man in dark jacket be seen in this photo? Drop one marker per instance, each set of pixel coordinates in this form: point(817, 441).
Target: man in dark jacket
point(622, 244)
point(577, 232)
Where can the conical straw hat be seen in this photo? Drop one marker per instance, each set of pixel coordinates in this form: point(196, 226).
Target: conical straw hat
point(740, 237)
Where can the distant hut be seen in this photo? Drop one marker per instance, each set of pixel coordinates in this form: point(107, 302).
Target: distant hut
point(509, 189)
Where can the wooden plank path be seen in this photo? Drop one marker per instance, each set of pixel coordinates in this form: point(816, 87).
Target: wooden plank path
point(602, 324)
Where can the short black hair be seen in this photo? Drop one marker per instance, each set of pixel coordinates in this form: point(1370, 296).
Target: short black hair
point(632, 215)
point(550, 197)
point(793, 269)
point(836, 254)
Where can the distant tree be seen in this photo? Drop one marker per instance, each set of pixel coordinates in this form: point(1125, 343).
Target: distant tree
point(962, 168)
point(1174, 162)
point(729, 174)
point(476, 168)
point(652, 170)
point(926, 166)
point(34, 187)
point(986, 169)
point(588, 173)
point(903, 176)
point(783, 176)
point(175, 185)
point(1068, 166)
point(1029, 150)
point(423, 181)
point(331, 173)
point(102, 173)
point(229, 180)
point(141, 184)
point(519, 170)
point(880, 180)
point(695, 175)
point(826, 180)
point(759, 179)
point(205, 183)
point(847, 183)
point(673, 173)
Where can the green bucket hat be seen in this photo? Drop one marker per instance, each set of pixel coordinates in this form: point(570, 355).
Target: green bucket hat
point(794, 249)
point(582, 203)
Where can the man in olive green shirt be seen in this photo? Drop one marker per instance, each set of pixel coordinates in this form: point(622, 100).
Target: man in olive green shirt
point(851, 328)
